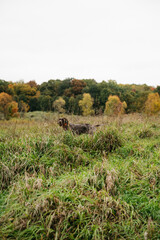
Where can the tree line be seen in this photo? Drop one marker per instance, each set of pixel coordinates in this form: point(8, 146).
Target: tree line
point(75, 96)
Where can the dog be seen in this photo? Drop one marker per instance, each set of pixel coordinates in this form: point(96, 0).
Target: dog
point(77, 128)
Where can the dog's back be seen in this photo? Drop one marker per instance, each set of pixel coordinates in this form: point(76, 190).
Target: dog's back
point(77, 128)
point(80, 128)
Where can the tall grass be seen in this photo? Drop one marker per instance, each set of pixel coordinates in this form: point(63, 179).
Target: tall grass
point(56, 185)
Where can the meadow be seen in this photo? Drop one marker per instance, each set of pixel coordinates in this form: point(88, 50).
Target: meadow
point(57, 185)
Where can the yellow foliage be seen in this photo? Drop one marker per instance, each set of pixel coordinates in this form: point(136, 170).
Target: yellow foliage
point(24, 107)
point(152, 105)
point(37, 94)
point(22, 88)
point(86, 104)
point(59, 105)
point(114, 107)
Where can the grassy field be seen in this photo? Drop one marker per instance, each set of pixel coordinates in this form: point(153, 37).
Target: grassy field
point(56, 185)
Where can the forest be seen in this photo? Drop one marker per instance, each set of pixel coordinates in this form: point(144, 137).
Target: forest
point(67, 95)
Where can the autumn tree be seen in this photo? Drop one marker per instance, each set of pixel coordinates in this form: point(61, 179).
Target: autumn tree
point(41, 97)
point(32, 84)
point(8, 106)
point(59, 104)
point(87, 104)
point(12, 109)
point(22, 91)
point(77, 86)
point(23, 108)
point(93, 89)
point(114, 107)
point(5, 100)
point(152, 105)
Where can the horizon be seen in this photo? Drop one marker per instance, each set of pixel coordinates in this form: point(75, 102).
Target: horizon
point(25, 82)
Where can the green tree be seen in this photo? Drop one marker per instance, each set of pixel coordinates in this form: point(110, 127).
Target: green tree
point(45, 102)
point(34, 104)
point(4, 87)
point(50, 88)
point(64, 87)
point(86, 104)
point(157, 89)
point(72, 105)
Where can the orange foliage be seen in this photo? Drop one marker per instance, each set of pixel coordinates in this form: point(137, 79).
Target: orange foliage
point(32, 84)
point(7, 106)
point(77, 86)
point(12, 108)
point(5, 99)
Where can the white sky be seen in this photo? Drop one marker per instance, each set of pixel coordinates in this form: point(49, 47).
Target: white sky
point(100, 39)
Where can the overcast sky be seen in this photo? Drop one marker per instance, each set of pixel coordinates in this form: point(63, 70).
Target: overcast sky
point(100, 39)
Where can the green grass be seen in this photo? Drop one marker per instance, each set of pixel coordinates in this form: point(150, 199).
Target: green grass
point(56, 185)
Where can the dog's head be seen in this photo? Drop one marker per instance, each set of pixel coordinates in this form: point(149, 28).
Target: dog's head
point(63, 122)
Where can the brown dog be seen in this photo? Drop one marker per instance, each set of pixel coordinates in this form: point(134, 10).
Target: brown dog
point(76, 128)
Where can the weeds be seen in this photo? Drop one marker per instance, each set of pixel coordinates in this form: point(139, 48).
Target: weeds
point(145, 133)
point(106, 141)
point(56, 185)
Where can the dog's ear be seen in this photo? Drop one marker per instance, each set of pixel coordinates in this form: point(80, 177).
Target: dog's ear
point(60, 121)
point(65, 122)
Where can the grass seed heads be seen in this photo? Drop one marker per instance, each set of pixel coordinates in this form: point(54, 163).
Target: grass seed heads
point(58, 185)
